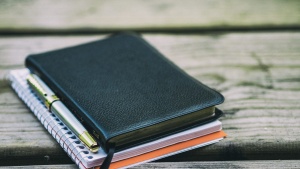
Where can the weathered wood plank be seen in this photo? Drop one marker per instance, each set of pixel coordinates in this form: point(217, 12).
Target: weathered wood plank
point(258, 73)
point(275, 164)
point(172, 15)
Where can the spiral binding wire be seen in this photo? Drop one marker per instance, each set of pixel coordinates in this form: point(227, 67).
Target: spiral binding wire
point(67, 140)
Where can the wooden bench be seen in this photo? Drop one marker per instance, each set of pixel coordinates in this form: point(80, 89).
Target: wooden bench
point(249, 51)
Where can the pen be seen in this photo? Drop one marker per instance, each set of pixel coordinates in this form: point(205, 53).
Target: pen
point(53, 103)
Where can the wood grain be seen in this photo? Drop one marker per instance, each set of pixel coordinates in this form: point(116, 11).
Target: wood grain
point(33, 16)
point(275, 164)
point(258, 73)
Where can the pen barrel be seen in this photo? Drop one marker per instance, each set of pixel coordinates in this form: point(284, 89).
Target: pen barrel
point(64, 114)
point(61, 111)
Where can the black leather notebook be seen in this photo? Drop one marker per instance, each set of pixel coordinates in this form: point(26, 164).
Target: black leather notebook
point(124, 91)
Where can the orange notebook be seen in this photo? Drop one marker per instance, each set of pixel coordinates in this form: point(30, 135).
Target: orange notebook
point(170, 150)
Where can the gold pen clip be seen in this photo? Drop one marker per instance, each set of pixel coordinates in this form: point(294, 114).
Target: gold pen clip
point(35, 85)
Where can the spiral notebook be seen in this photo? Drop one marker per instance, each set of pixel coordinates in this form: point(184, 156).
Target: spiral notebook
point(170, 145)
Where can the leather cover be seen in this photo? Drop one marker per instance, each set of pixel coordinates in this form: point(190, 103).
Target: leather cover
point(120, 84)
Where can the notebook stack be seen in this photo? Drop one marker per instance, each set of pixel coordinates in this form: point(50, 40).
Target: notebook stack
point(136, 104)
